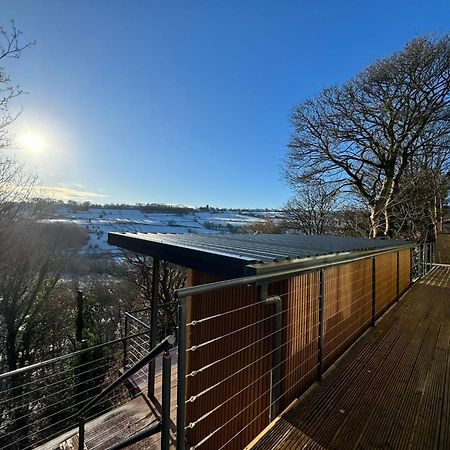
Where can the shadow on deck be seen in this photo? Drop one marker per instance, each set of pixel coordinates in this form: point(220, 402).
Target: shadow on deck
point(389, 391)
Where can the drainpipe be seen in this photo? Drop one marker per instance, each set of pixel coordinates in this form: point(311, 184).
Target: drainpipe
point(277, 323)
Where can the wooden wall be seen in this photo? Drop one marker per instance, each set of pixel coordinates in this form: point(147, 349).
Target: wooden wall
point(442, 251)
point(404, 270)
point(234, 394)
point(386, 281)
point(243, 398)
point(300, 332)
point(348, 306)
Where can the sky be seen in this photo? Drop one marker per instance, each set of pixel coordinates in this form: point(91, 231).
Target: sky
point(186, 102)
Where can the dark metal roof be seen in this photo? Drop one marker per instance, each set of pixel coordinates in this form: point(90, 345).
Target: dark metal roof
point(234, 255)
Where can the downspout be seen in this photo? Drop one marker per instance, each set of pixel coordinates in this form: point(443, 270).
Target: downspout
point(277, 323)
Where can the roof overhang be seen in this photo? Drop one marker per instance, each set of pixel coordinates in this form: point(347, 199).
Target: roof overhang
point(217, 263)
point(231, 265)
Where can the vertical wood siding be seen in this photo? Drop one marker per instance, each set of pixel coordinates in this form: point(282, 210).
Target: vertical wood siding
point(234, 394)
point(300, 336)
point(241, 400)
point(386, 281)
point(404, 270)
point(348, 305)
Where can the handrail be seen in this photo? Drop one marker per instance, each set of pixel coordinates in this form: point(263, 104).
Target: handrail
point(311, 264)
point(162, 346)
point(139, 321)
point(41, 364)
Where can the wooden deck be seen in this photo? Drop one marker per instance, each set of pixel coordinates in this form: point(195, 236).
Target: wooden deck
point(123, 421)
point(389, 391)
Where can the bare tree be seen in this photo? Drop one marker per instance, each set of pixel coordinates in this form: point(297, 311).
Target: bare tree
point(418, 211)
point(138, 270)
point(16, 184)
point(364, 134)
point(313, 208)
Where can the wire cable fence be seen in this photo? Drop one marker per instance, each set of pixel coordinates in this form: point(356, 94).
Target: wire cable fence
point(40, 402)
point(249, 351)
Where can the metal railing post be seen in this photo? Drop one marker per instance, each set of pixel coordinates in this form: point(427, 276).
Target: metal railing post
point(153, 325)
point(125, 343)
point(374, 292)
point(424, 268)
point(321, 326)
point(397, 287)
point(430, 255)
point(81, 433)
point(411, 266)
point(181, 374)
point(165, 415)
point(277, 324)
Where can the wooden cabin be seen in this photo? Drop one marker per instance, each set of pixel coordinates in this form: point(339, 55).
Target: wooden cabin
point(246, 361)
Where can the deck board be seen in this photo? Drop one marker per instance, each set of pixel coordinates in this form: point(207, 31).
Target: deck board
point(123, 421)
point(390, 390)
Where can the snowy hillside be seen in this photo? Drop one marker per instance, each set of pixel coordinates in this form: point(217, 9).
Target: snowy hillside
point(98, 222)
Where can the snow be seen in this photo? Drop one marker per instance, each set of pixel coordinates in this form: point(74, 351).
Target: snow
point(99, 222)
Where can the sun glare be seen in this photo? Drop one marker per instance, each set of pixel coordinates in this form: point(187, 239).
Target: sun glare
point(32, 142)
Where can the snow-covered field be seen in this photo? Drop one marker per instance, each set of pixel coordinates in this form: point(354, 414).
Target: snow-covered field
point(98, 222)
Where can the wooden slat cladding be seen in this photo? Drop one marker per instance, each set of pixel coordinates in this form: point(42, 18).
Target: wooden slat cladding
point(242, 396)
point(386, 281)
point(404, 270)
point(348, 305)
point(300, 336)
point(233, 383)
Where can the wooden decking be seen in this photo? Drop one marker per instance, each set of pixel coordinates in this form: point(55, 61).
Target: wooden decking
point(389, 391)
point(125, 420)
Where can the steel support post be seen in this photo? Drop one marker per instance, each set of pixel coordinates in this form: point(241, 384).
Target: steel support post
point(165, 415)
point(277, 324)
point(153, 325)
point(321, 326)
point(81, 433)
point(424, 267)
point(397, 287)
point(125, 343)
point(181, 374)
point(374, 292)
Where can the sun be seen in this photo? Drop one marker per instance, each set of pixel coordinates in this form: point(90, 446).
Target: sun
point(32, 142)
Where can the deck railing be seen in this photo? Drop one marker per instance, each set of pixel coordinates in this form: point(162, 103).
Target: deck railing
point(156, 426)
point(42, 401)
point(248, 347)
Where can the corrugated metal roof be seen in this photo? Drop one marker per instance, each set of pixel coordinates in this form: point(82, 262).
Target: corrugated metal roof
point(233, 254)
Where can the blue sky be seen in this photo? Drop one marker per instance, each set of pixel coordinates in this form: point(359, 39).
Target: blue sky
point(187, 101)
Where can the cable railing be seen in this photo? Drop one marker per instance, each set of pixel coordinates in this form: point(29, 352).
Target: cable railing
point(41, 402)
point(162, 425)
point(248, 347)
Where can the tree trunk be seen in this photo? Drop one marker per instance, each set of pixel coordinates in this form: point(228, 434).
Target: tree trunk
point(373, 222)
point(388, 232)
